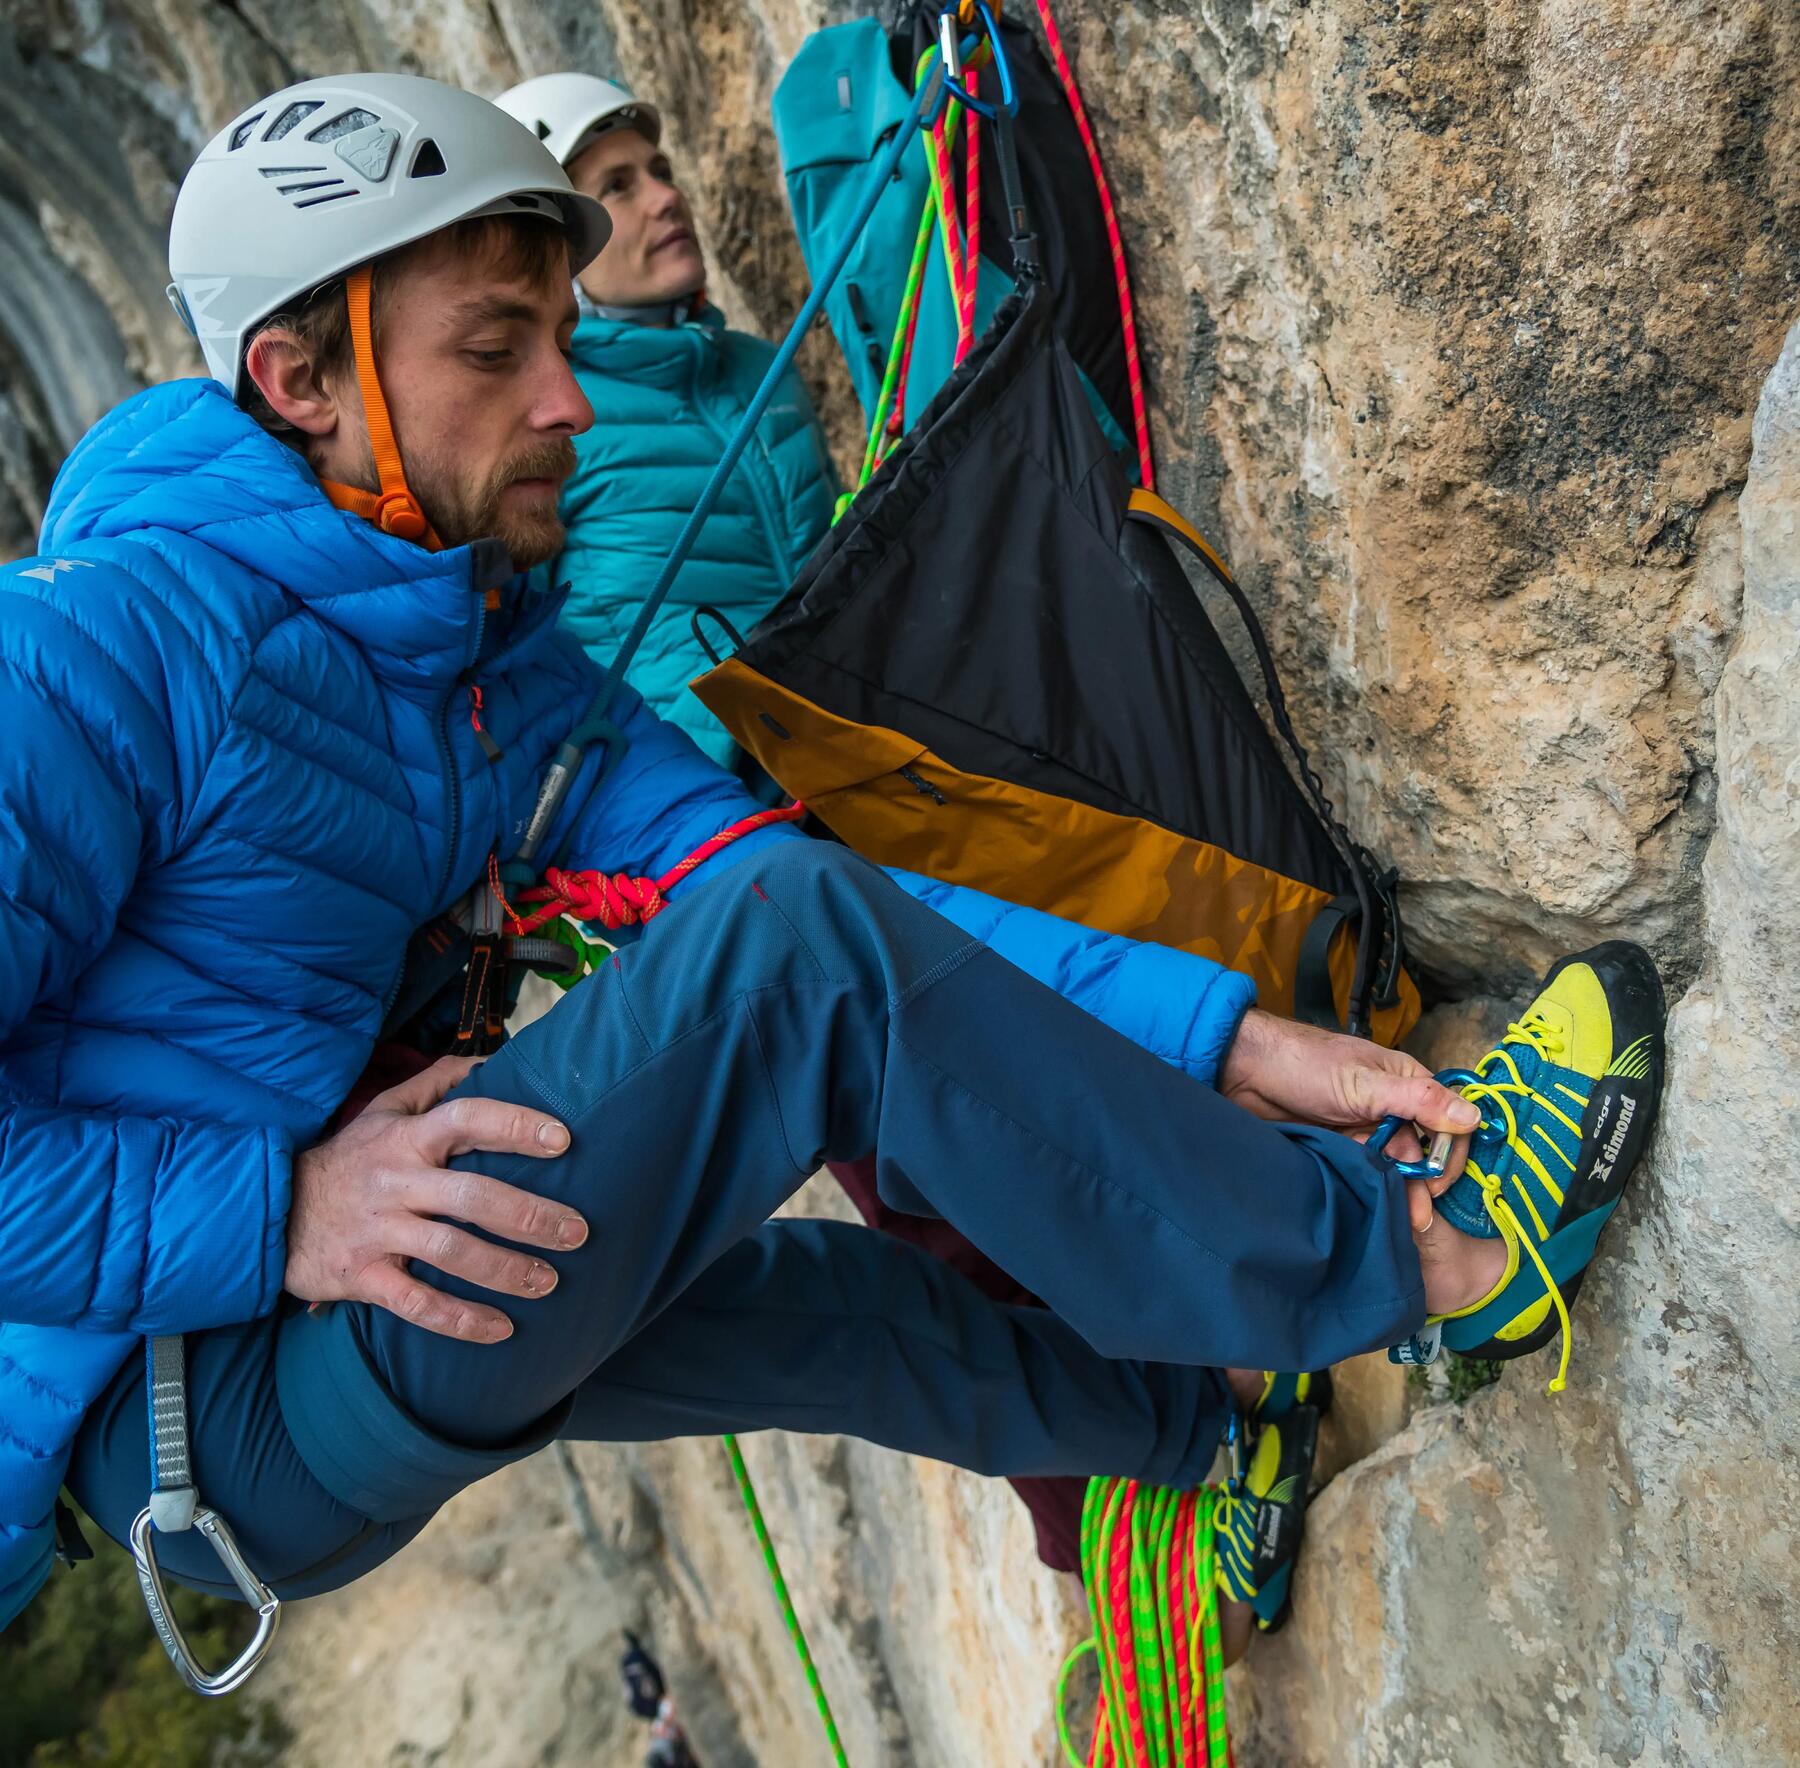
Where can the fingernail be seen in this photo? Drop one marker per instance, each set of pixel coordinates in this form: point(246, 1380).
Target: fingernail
point(571, 1231)
point(541, 1279)
point(553, 1136)
point(1465, 1114)
point(499, 1330)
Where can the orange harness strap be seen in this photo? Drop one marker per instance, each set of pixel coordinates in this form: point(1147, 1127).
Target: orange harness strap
point(394, 509)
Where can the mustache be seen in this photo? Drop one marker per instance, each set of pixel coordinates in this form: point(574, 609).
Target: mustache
point(548, 460)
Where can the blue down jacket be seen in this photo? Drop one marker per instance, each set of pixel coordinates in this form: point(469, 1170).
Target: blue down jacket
point(666, 401)
point(238, 770)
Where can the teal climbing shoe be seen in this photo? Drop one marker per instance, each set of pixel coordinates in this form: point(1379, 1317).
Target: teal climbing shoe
point(1261, 1518)
point(1568, 1098)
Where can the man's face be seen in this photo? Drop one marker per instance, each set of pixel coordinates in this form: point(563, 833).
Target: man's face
point(473, 363)
point(652, 255)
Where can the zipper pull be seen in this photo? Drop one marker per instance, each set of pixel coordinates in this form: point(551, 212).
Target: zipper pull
point(489, 747)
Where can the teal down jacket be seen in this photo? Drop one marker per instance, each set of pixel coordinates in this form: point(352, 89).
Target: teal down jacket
point(666, 401)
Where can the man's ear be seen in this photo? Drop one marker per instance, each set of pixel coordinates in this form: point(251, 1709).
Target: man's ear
point(286, 376)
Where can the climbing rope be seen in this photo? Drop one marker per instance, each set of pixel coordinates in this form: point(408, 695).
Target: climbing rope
point(620, 900)
point(962, 269)
point(784, 1601)
point(1147, 1564)
point(1121, 274)
point(965, 315)
point(890, 405)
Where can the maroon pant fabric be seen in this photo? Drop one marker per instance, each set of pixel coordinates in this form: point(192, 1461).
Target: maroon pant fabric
point(1055, 1504)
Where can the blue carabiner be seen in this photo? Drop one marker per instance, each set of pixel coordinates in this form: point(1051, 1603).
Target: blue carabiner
point(953, 86)
point(1386, 1129)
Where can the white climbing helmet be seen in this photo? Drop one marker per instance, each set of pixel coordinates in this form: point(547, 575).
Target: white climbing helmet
point(568, 112)
point(329, 174)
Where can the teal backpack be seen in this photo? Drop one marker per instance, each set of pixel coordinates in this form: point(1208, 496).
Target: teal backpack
point(835, 110)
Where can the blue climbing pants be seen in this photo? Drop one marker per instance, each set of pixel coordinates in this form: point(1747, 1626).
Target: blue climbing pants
point(802, 1007)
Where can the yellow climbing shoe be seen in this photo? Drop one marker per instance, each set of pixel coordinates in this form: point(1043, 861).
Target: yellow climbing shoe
point(1261, 1518)
point(1568, 1097)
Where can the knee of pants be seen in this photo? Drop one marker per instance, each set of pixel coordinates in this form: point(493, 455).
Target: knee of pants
point(856, 921)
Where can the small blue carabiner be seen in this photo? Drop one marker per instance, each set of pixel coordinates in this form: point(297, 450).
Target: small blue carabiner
point(1432, 1166)
point(965, 47)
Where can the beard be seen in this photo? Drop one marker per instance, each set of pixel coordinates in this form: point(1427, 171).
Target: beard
point(462, 512)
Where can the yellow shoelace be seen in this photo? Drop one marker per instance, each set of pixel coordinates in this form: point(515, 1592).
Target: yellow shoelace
point(1536, 1033)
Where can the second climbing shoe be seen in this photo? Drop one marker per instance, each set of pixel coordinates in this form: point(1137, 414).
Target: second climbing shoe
point(1261, 1518)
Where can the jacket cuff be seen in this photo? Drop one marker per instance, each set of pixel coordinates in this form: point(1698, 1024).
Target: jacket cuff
point(217, 1254)
point(1216, 1021)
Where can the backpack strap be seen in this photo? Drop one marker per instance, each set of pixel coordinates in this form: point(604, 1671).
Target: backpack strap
point(1312, 991)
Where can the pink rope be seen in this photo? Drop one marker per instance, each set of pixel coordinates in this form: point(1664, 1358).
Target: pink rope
point(965, 315)
point(947, 216)
point(1121, 276)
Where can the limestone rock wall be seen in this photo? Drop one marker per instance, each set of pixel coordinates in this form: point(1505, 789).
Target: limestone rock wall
point(1457, 318)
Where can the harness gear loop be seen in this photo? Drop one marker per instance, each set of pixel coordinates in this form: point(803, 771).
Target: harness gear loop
point(393, 509)
point(174, 1507)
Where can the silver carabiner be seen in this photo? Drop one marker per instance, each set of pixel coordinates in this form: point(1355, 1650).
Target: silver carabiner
point(950, 43)
point(260, 1597)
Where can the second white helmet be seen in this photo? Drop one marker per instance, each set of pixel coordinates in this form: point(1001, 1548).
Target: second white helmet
point(567, 112)
point(329, 174)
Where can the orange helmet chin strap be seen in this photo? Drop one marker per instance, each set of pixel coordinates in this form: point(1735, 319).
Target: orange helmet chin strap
point(394, 509)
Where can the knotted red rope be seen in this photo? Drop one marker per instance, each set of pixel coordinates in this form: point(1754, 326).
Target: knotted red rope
point(618, 899)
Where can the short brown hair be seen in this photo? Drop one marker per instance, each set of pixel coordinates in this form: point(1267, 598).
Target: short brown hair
point(516, 247)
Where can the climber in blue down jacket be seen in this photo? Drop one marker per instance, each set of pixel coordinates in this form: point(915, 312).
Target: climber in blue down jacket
point(668, 381)
point(275, 697)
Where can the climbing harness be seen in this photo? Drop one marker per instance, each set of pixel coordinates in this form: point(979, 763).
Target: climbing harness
point(174, 1508)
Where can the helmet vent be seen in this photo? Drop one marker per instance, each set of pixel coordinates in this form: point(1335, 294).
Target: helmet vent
point(345, 123)
point(241, 133)
point(291, 118)
point(288, 171)
point(330, 196)
point(428, 162)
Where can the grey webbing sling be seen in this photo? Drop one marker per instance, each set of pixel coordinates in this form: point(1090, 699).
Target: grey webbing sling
point(175, 1507)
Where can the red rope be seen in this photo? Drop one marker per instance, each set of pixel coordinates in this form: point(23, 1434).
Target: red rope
point(949, 226)
point(965, 315)
point(1121, 275)
point(618, 899)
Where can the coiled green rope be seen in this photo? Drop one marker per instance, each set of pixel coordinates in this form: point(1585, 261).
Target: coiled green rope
point(1148, 1564)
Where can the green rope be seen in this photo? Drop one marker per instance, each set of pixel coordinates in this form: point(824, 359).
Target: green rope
point(1153, 1573)
point(785, 1602)
point(909, 301)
